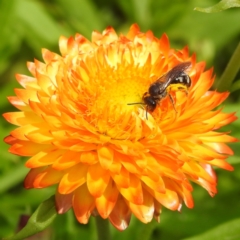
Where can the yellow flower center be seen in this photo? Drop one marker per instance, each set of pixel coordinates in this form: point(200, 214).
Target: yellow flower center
point(112, 90)
point(122, 91)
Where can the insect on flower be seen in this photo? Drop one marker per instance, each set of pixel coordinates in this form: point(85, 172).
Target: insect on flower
point(74, 124)
point(174, 80)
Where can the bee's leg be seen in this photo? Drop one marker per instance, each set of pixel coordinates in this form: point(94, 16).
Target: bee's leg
point(186, 92)
point(172, 101)
point(147, 112)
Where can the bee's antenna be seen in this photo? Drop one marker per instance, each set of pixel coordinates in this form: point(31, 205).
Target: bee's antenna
point(142, 104)
point(135, 103)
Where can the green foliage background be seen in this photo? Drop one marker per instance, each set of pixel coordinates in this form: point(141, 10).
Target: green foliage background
point(26, 26)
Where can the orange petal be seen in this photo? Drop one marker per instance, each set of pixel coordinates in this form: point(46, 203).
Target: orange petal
point(134, 192)
point(220, 147)
point(218, 139)
point(97, 180)
point(83, 43)
point(35, 132)
point(26, 95)
point(129, 163)
point(211, 188)
point(158, 186)
point(107, 201)
point(121, 215)
point(115, 167)
point(25, 148)
point(89, 157)
point(49, 56)
point(44, 158)
point(25, 80)
point(63, 45)
point(47, 178)
point(16, 102)
point(66, 160)
point(145, 211)
point(134, 30)
point(32, 174)
point(222, 164)
point(183, 189)
point(105, 156)
point(63, 202)
point(83, 204)
point(122, 179)
point(169, 200)
point(164, 44)
point(44, 82)
point(73, 179)
point(196, 170)
point(21, 118)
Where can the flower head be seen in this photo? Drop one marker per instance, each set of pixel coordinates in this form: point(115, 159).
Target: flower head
point(81, 131)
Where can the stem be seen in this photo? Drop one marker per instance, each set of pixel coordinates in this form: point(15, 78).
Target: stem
point(230, 72)
point(147, 230)
point(103, 230)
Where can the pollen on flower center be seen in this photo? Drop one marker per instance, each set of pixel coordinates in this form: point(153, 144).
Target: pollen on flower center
point(118, 90)
point(109, 108)
point(122, 92)
point(108, 157)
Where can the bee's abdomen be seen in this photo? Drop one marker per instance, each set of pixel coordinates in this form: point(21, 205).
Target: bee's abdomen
point(183, 79)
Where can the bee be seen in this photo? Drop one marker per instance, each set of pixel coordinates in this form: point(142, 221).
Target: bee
point(174, 80)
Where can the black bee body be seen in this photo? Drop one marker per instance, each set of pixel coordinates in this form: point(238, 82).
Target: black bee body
point(174, 80)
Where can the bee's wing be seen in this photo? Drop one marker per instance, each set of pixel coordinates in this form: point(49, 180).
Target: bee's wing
point(167, 78)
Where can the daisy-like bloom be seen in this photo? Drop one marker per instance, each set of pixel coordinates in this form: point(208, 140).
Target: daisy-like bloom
point(107, 156)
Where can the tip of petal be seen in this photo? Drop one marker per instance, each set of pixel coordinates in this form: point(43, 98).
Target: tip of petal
point(63, 202)
point(82, 134)
point(134, 30)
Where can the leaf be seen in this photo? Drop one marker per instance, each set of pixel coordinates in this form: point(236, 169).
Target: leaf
point(147, 230)
point(230, 72)
point(12, 177)
point(83, 15)
point(40, 220)
point(11, 35)
point(137, 11)
point(228, 230)
point(40, 28)
point(222, 5)
point(235, 86)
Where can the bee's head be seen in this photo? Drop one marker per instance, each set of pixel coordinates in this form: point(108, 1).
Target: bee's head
point(150, 102)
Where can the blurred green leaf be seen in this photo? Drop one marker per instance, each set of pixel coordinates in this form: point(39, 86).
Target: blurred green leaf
point(222, 5)
point(198, 30)
point(10, 35)
point(230, 72)
point(7, 90)
point(234, 129)
point(28, 25)
point(40, 28)
point(137, 11)
point(11, 178)
point(147, 231)
point(235, 159)
point(40, 220)
point(83, 15)
point(229, 230)
point(235, 86)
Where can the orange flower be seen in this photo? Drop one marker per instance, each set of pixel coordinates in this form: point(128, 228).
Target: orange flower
point(109, 157)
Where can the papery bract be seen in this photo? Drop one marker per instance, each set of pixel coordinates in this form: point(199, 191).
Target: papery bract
point(76, 125)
